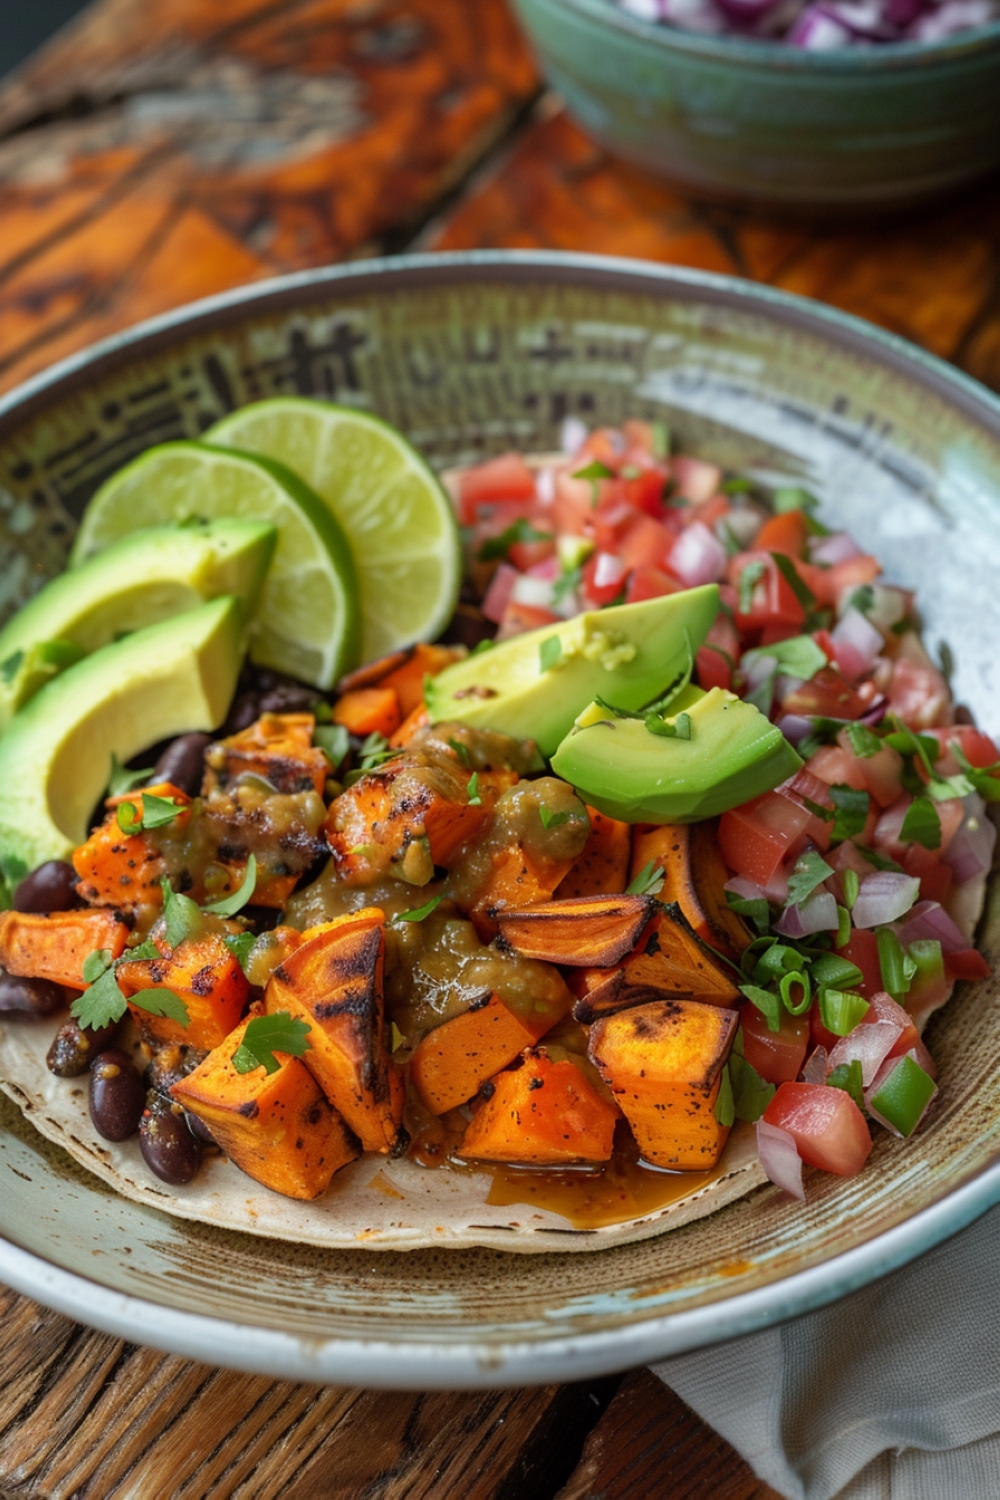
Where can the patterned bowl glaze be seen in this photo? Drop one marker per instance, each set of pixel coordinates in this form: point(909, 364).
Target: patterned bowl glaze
point(868, 130)
point(472, 354)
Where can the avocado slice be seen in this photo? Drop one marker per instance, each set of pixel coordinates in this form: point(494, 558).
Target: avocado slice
point(167, 679)
point(624, 770)
point(147, 576)
point(534, 685)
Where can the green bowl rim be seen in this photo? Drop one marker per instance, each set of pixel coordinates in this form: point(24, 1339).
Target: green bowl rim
point(466, 1364)
point(845, 60)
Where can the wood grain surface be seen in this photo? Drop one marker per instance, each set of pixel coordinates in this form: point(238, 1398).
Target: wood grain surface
point(155, 153)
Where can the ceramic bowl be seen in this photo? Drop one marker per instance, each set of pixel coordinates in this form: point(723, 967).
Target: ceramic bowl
point(870, 130)
point(471, 355)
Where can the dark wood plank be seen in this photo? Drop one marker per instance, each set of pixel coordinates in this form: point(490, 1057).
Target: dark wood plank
point(648, 1443)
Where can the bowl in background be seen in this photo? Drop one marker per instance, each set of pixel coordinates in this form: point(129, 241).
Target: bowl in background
point(471, 355)
point(872, 129)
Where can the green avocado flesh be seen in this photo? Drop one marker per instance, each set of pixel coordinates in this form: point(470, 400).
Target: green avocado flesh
point(146, 577)
point(55, 758)
point(534, 685)
point(624, 770)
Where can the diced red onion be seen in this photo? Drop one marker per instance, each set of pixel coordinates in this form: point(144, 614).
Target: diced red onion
point(549, 569)
point(970, 852)
point(869, 1045)
point(865, 18)
point(745, 888)
point(743, 523)
point(574, 433)
point(823, 25)
point(608, 570)
point(697, 556)
point(533, 591)
point(856, 643)
point(780, 1158)
point(886, 1071)
point(949, 17)
point(545, 485)
point(887, 607)
point(817, 914)
point(746, 12)
point(928, 919)
point(902, 13)
point(794, 727)
point(876, 713)
point(815, 30)
point(817, 1067)
point(785, 685)
point(497, 596)
point(833, 549)
point(885, 896)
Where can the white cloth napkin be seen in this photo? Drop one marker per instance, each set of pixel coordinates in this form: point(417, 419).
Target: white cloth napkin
point(892, 1393)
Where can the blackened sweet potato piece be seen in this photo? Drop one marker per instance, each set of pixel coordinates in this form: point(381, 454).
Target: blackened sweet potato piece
point(615, 993)
point(34, 945)
point(333, 981)
point(602, 868)
point(694, 876)
point(209, 980)
point(277, 747)
point(668, 956)
point(663, 1063)
point(585, 931)
point(544, 1112)
point(454, 1059)
point(124, 869)
point(277, 1127)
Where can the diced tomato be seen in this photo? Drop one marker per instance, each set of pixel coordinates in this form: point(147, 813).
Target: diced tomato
point(645, 492)
point(708, 512)
point(605, 445)
point(825, 643)
point(712, 669)
point(600, 594)
point(881, 774)
point(918, 694)
point(785, 533)
point(651, 583)
point(805, 786)
point(645, 543)
point(773, 600)
point(497, 596)
point(772, 634)
point(818, 1033)
point(836, 767)
point(934, 875)
point(756, 837)
point(862, 950)
point(525, 555)
point(847, 575)
point(828, 1128)
point(979, 750)
point(498, 479)
point(517, 618)
point(826, 695)
point(694, 479)
point(966, 964)
point(573, 507)
point(776, 1055)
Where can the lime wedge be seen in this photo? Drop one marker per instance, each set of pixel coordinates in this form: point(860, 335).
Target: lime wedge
point(306, 622)
point(391, 506)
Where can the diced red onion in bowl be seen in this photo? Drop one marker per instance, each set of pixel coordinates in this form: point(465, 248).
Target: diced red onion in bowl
point(836, 548)
point(856, 643)
point(885, 896)
point(928, 919)
point(816, 30)
point(532, 591)
point(608, 570)
point(822, 26)
point(742, 523)
point(818, 1066)
point(497, 596)
point(780, 1158)
point(970, 852)
point(549, 569)
point(698, 556)
point(745, 888)
point(869, 1044)
point(817, 914)
point(794, 727)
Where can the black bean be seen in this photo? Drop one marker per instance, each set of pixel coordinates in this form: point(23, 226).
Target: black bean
point(30, 997)
point(183, 763)
point(52, 887)
point(243, 711)
point(199, 1129)
point(167, 1145)
point(116, 1095)
point(75, 1048)
point(289, 698)
point(468, 628)
point(169, 1064)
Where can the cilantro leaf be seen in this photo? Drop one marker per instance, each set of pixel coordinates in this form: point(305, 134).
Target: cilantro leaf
point(725, 1109)
point(239, 945)
point(229, 905)
point(808, 873)
point(334, 741)
point(567, 583)
point(863, 741)
point(738, 485)
point(473, 790)
point(182, 917)
point(799, 656)
point(767, 1003)
point(549, 653)
point(551, 819)
point(847, 1076)
point(156, 812)
point(266, 1035)
point(750, 576)
point(790, 573)
point(880, 861)
point(96, 963)
point(419, 912)
point(678, 729)
point(660, 435)
point(751, 1095)
point(122, 780)
point(946, 788)
point(793, 497)
point(101, 1004)
point(648, 882)
point(461, 750)
point(852, 812)
point(922, 824)
point(755, 909)
point(985, 779)
point(160, 1001)
point(594, 470)
point(520, 530)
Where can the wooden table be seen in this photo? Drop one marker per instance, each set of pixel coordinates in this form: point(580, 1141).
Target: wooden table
point(156, 153)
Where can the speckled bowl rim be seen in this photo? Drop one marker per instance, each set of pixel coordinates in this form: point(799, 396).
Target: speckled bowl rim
point(769, 55)
point(411, 1362)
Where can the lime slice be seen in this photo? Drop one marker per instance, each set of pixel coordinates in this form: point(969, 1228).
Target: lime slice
point(392, 507)
point(306, 622)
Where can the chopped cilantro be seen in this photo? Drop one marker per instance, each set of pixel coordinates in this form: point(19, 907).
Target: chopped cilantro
point(595, 472)
point(789, 572)
point(862, 598)
point(880, 861)
point(767, 1003)
point(809, 872)
point(96, 963)
point(482, 646)
point(419, 912)
point(725, 1109)
point(155, 812)
point(922, 824)
point(648, 882)
point(239, 945)
point(660, 435)
point(229, 905)
point(755, 909)
point(751, 1095)
point(10, 666)
point(750, 576)
point(100, 1004)
point(847, 1076)
point(334, 741)
point(182, 917)
point(567, 583)
point(852, 812)
point(678, 729)
point(738, 485)
point(461, 750)
point(520, 530)
point(985, 779)
point(549, 653)
point(799, 656)
point(793, 497)
point(123, 780)
point(266, 1035)
point(863, 741)
point(103, 1002)
point(473, 790)
point(551, 819)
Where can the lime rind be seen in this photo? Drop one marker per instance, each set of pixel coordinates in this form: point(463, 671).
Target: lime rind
point(391, 505)
point(307, 621)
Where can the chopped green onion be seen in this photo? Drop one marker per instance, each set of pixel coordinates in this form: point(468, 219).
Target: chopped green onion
point(848, 1076)
point(890, 957)
point(840, 1010)
point(797, 980)
point(852, 885)
point(766, 1002)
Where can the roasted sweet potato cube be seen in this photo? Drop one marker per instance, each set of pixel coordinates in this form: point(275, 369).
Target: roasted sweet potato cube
point(454, 1059)
point(125, 869)
point(694, 876)
point(206, 976)
point(663, 1063)
point(616, 992)
point(277, 747)
point(407, 679)
point(602, 868)
point(545, 1112)
point(669, 957)
point(586, 931)
point(368, 710)
point(334, 983)
point(518, 878)
point(374, 823)
point(277, 1127)
point(55, 946)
